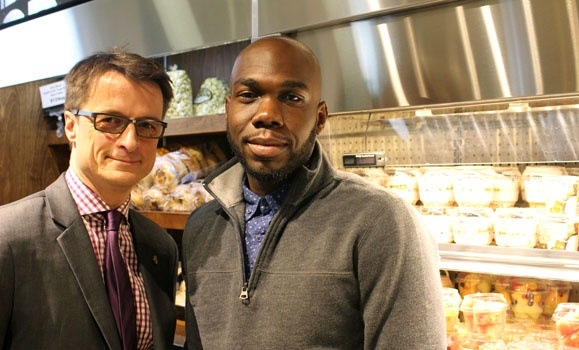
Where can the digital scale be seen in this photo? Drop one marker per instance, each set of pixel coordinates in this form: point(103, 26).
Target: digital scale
point(362, 160)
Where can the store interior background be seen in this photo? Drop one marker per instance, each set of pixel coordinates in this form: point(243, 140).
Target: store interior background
point(388, 65)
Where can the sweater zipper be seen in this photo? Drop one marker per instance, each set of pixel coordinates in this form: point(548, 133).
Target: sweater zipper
point(244, 296)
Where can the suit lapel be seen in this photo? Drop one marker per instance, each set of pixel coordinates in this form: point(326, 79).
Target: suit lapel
point(153, 271)
point(146, 266)
point(77, 248)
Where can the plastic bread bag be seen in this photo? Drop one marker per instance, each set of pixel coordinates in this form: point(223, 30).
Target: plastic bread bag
point(182, 103)
point(155, 198)
point(186, 197)
point(172, 167)
point(211, 97)
point(137, 200)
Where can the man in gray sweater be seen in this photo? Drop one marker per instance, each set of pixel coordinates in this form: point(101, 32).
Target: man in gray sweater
point(293, 254)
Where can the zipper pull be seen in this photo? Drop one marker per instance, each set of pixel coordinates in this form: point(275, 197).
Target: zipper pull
point(244, 296)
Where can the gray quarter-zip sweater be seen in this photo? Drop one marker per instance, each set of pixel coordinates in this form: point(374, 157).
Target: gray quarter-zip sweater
point(344, 265)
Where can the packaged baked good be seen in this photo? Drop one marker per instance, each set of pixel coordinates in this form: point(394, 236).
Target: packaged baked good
point(186, 197)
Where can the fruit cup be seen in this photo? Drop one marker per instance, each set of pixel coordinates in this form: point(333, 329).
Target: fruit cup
point(484, 315)
point(527, 298)
point(451, 303)
point(470, 283)
point(566, 318)
point(558, 292)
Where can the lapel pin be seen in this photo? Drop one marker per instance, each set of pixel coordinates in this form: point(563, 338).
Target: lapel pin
point(155, 259)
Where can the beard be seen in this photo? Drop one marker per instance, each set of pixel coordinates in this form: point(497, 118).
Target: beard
point(296, 160)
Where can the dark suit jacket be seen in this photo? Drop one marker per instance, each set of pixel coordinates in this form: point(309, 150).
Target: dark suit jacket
point(52, 294)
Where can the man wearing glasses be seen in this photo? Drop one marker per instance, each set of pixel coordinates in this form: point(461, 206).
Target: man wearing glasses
point(78, 268)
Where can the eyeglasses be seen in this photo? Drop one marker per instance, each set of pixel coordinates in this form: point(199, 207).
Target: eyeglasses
point(116, 124)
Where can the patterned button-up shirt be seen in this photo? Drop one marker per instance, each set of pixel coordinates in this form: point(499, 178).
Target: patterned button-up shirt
point(91, 208)
point(258, 214)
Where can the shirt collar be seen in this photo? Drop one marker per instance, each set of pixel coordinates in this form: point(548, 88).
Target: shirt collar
point(273, 199)
point(86, 200)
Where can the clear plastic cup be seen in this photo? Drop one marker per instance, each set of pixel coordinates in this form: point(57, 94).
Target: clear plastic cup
point(451, 302)
point(527, 297)
point(484, 315)
point(566, 317)
point(558, 292)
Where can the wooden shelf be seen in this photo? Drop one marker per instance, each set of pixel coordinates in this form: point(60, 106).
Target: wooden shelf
point(168, 220)
point(205, 124)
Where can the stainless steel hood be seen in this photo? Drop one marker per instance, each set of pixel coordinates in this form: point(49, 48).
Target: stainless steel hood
point(455, 52)
point(374, 53)
point(50, 45)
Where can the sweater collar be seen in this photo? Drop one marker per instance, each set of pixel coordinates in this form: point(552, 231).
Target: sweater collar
point(307, 180)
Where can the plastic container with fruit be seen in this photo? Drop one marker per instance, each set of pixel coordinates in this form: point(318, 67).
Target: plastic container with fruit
point(566, 317)
point(557, 293)
point(484, 315)
point(553, 231)
point(502, 285)
point(470, 283)
point(530, 345)
point(481, 344)
point(451, 303)
point(527, 297)
point(549, 191)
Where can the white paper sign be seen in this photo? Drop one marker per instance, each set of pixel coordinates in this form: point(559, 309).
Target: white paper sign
point(53, 94)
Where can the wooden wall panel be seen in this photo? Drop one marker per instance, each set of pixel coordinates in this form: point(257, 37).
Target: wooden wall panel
point(210, 62)
point(26, 163)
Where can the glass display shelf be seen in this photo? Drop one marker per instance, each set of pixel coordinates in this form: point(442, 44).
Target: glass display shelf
point(523, 262)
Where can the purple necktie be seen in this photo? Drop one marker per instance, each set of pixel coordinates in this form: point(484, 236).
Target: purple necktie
point(118, 284)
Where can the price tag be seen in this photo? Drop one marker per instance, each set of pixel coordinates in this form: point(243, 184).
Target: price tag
point(53, 94)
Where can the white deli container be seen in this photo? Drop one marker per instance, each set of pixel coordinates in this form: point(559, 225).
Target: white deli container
point(473, 226)
point(438, 221)
point(435, 187)
point(507, 187)
point(516, 227)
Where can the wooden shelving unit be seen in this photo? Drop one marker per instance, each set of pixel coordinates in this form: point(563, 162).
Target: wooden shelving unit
point(168, 220)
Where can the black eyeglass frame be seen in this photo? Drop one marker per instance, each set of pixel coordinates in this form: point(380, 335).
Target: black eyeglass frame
point(127, 121)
